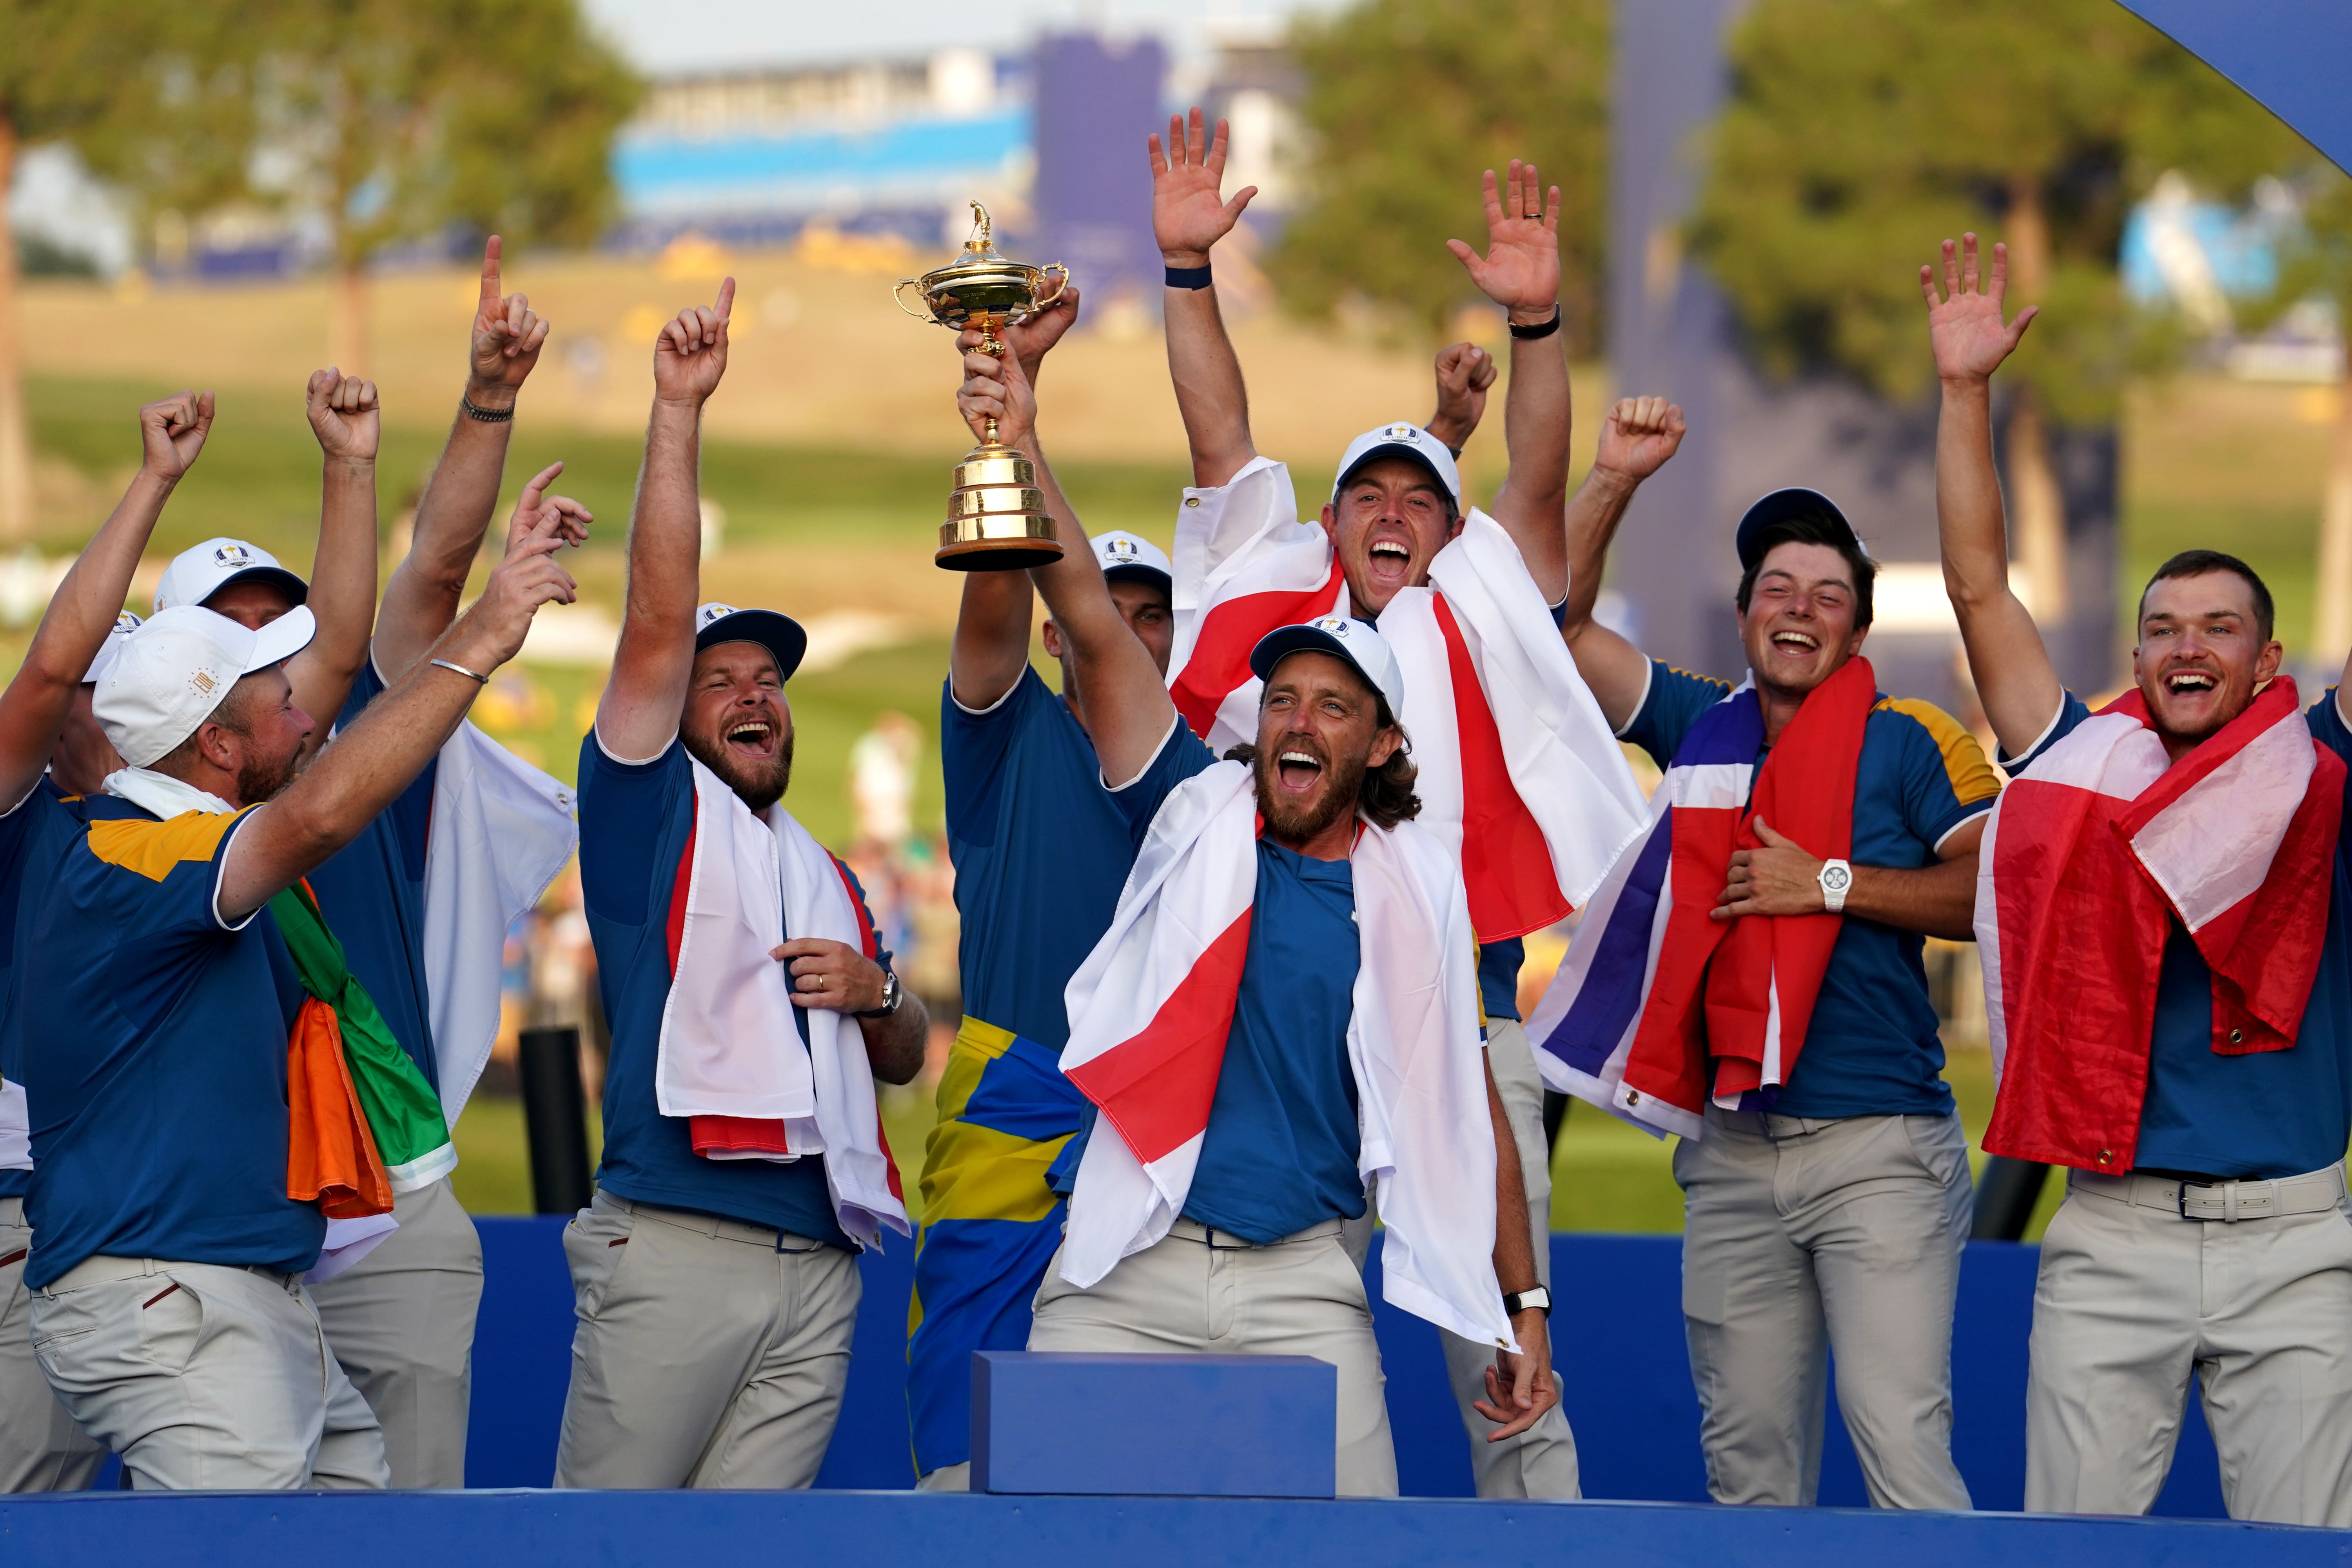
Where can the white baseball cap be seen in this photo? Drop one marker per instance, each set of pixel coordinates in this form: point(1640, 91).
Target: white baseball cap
point(1130, 558)
point(171, 673)
point(124, 625)
point(1354, 641)
point(1403, 439)
point(196, 574)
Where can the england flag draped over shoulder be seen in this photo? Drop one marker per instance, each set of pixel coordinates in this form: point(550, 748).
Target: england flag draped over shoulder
point(1519, 773)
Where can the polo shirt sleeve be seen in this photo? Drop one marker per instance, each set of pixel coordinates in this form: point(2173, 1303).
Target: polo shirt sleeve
point(1946, 782)
point(1669, 708)
point(975, 743)
point(624, 808)
point(169, 899)
point(871, 932)
point(1180, 756)
point(2072, 710)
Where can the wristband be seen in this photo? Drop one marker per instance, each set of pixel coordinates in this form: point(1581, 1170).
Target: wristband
point(494, 415)
point(1541, 330)
point(461, 669)
point(1188, 278)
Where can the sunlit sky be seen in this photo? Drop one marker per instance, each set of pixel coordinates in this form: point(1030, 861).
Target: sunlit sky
point(664, 36)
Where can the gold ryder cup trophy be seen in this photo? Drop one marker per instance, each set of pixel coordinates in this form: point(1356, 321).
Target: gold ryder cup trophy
point(997, 519)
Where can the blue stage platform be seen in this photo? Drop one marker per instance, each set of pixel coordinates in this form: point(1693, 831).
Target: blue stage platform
point(1624, 1378)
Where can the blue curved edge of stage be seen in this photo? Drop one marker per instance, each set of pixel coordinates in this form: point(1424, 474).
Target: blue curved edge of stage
point(565, 1530)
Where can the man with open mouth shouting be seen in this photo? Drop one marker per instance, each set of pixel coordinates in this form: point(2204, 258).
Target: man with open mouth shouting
point(1810, 831)
point(752, 1008)
point(2169, 980)
point(1284, 1010)
point(1520, 778)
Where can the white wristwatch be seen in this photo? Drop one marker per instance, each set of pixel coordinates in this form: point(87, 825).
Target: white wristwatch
point(1836, 878)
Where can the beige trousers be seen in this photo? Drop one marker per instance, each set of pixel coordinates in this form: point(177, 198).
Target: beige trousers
point(1824, 1236)
point(41, 1447)
point(401, 1322)
point(1196, 1291)
point(2131, 1299)
point(204, 1377)
point(1541, 1461)
point(708, 1353)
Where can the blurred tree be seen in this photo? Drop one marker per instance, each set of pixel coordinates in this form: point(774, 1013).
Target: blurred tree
point(136, 88)
point(1858, 135)
point(395, 119)
point(1407, 101)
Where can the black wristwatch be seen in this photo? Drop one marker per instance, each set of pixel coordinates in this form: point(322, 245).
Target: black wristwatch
point(1517, 1301)
point(893, 996)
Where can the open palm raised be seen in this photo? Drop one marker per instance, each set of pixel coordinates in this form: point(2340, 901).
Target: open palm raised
point(1521, 271)
point(1188, 214)
point(1963, 323)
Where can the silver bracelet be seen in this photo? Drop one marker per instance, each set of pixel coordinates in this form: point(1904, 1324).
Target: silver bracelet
point(461, 669)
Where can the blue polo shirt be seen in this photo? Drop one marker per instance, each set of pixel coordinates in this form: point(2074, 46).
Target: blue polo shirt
point(1280, 1153)
point(372, 891)
point(2270, 1113)
point(31, 834)
point(1041, 853)
point(154, 1055)
point(1872, 1047)
point(636, 833)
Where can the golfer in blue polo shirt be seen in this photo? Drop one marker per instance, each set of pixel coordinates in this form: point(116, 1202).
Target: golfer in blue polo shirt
point(1829, 1213)
point(42, 1448)
point(171, 1316)
point(716, 1272)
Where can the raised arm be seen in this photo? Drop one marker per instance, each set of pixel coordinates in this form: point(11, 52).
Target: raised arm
point(421, 597)
point(2014, 678)
point(345, 417)
point(1521, 272)
point(1465, 372)
point(638, 717)
point(1636, 439)
point(991, 636)
point(171, 433)
point(1126, 703)
point(1188, 215)
point(365, 769)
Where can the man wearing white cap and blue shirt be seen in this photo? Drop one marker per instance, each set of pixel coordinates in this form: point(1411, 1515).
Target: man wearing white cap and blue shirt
point(1519, 773)
point(752, 1008)
point(1040, 855)
point(1826, 1190)
point(42, 1449)
point(171, 1316)
point(421, 899)
point(1283, 1014)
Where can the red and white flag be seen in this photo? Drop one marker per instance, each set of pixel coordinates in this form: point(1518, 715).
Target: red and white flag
point(1519, 774)
point(1151, 1006)
point(2092, 854)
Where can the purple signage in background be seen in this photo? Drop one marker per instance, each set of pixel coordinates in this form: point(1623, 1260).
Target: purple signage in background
point(1097, 99)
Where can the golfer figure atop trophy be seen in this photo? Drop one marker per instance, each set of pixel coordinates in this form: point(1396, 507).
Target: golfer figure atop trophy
point(997, 519)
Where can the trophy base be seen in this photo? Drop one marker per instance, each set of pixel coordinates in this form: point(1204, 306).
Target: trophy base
point(961, 549)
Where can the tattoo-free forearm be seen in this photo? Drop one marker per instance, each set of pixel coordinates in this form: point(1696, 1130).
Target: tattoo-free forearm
point(1934, 900)
point(894, 1046)
point(422, 596)
point(1515, 1259)
point(2014, 678)
point(343, 593)
point(1211, 395)
point(1536, 418)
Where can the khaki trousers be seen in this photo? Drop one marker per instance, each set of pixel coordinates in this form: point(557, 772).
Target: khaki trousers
point(1204, 1291)
point(1804, 1237)
point(204, 1377)
point(1541, 1461)
point(708, 1353)
point(401, 1322)
point(2131, 1299)
point(41, 1447)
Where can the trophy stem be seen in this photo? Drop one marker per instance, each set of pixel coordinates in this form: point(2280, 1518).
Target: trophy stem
point(991, 430)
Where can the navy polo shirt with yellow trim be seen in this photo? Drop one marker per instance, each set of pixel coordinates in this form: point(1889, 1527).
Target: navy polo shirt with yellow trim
point(1871, 1048)
point(154, 1051)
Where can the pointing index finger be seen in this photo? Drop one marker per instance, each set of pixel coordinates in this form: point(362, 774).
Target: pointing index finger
point(491, 248)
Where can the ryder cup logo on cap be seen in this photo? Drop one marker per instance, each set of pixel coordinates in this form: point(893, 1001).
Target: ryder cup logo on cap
point(1355, 641)
point(1405, 440)
point(177, 668)
point(709, 613)
point(1127, 558)
point(199, 572)
point(124, 625)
